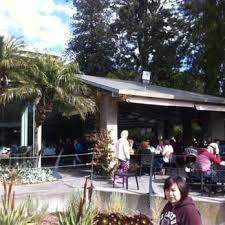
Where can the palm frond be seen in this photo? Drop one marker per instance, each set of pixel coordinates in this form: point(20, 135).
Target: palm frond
point(18, 93)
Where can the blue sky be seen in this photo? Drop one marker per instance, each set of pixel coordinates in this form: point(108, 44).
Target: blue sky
point(43, 24)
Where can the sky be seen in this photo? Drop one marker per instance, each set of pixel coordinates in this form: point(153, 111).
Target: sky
point(44, 25)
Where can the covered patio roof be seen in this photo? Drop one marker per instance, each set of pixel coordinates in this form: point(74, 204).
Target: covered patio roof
point(135, 92)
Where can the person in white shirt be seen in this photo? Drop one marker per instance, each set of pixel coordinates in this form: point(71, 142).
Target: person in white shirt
point(167, 152)
point(122, 152)
point(159, 147)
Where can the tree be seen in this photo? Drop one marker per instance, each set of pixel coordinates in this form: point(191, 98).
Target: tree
point(49, 82)
point(91, 44)
point(10, 57)
point(206, 42)
point(150, 38)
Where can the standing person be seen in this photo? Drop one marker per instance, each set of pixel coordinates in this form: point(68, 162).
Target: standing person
point(180, 209)
point(78, 149)
point(122, 152)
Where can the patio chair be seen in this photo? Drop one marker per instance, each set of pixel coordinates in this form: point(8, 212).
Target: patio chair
point(125, 176)
point(132, 172)
point(146, 161)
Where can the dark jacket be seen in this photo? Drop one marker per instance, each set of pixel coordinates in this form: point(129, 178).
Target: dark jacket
point(184, 213)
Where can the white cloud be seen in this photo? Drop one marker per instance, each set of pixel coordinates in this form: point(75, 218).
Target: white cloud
point(44, 24)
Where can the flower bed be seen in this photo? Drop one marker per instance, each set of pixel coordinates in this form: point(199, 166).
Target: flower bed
point(83, 208)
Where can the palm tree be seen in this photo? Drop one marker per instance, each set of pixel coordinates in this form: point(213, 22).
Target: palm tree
point(49, 81)
point(10, 57)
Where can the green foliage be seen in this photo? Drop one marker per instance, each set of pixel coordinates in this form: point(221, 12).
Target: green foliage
point(10, 57)
point(9, 213)
point(82, 208)
point(49, 82)
point(145, 42)
point(92, 43)
point(187, 81)
point(205, 34)
point(103, 156)
point(116, 203)
point(25, 174)
point(123, 75)
point(33, 210)
point(156, 208)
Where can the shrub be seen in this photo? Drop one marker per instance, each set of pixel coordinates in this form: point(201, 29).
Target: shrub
point(103, 156)
point(25, 174)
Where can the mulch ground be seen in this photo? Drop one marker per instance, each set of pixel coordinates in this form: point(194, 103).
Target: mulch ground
point(51, 219)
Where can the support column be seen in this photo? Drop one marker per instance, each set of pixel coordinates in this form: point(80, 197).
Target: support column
point(108, 116)
point(24, 128)
point(216, 126)
point(187, 129)
point(39, 143)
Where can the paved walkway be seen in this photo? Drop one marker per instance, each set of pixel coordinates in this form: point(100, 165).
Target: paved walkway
point(75, 178)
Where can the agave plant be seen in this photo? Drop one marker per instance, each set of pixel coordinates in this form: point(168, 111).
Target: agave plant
point(9, 213)
point(81, 210)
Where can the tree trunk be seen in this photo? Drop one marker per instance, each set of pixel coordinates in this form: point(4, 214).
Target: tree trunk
point(37, 145)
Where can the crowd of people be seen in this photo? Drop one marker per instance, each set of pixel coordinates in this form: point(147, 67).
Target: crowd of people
point(72, 151)
point(165, 154)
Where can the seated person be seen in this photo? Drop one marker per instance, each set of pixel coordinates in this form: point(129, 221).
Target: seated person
point(49, 150)
point(146, 145)
point(205, 158)
point(215, 147)
point(13, 149)
point(131, 144)
point(159, 147)
point(167, 152)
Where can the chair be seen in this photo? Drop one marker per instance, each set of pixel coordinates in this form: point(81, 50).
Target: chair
point(132, 172)
point(125, 176)
point(146, 160)
point(172, 164)
point(208, 184)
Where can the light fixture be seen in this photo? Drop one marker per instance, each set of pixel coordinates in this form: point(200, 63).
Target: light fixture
point(146, 78)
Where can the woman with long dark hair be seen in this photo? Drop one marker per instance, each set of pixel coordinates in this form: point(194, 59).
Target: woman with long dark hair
point(180, 209)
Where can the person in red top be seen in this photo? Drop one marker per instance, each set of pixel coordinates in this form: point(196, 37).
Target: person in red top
point(205, 158)
point(180, 209)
